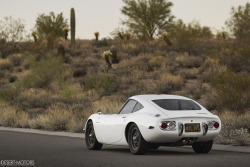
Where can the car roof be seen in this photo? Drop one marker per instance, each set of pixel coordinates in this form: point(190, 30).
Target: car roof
point(150, 97)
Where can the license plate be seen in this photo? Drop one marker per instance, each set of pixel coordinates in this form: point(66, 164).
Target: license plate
point(192, 128)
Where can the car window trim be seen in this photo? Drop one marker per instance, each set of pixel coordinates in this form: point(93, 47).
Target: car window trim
point(126, 104)
point(135, 106)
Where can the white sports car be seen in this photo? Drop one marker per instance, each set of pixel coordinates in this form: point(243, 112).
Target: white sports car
point(149, 121)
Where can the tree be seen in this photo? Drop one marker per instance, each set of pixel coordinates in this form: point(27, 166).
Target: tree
point(50, 25)
point(147, 18)
point(239, 23)
point(12, 29)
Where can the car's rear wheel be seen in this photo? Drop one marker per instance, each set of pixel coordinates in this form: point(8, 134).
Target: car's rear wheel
point(90, 138)
point(137, 144)
point(202, 147)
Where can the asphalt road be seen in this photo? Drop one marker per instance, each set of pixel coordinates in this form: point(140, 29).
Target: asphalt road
point(56, 151)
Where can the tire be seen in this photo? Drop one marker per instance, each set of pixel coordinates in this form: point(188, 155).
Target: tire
point(202, 147)
point(90, 138)
point(137, 144)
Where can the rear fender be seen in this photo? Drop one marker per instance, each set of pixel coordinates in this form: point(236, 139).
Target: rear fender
point(142, 123)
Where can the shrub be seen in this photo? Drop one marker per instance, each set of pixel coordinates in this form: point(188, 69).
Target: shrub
point(232, 91)
point(156, 62)
point(12, 78)
point(43, 72)
point(235, 128)
point(188, 37)
point(114, 58)
point(7, 93)
point(186, 61)
point(9, 117)
point(5, 64)
point(69, 91)
point(212, 69)
point(54, 119)
point(79, 73)
point(101, 82)
point(101, 43)
point(109, 105)
point(61, 50)
point(236, 58)
point(190, 73)
point(168, 83)
point(16, 59)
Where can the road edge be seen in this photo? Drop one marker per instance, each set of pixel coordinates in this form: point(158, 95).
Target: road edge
point(216, 147)
point(43, 132)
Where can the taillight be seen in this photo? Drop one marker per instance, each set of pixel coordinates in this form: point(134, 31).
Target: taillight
point(216, 125)
point(164, 125)
point(213, 125)
point(168, 125)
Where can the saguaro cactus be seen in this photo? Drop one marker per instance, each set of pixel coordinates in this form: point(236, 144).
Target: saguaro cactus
point(72, 26)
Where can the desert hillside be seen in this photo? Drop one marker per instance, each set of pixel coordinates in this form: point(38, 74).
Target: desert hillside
point(57, 88)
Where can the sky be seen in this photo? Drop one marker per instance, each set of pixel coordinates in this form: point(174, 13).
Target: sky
point(105, 15)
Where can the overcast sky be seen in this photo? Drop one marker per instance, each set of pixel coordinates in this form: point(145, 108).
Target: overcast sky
point(104, 15)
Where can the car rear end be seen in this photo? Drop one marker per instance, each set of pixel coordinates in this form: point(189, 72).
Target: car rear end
point(183, 121)
point(184, 130)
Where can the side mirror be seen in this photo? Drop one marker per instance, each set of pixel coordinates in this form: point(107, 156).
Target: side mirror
point(99, 111)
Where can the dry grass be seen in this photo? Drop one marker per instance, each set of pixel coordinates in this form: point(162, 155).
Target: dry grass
point(109, 105)
point(186, 61)
point(57, 118)
point(168, 83)
point(212, 69)
point(190, 73)
point(5, 64)
point(235, 128)
point(16, 59)
point(9, 117)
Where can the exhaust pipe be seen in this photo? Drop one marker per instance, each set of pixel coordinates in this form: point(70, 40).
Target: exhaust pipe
point(188, 141)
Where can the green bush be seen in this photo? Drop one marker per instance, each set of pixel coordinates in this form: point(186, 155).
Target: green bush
point(101, 83)
point(232, 91)
point(43, 72)
point(6, 94)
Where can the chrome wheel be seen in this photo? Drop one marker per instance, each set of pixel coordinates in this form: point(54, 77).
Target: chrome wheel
point(91, 138)
point(135, 139)
point(137, 144)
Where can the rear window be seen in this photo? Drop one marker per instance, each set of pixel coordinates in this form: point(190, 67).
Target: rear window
point(177, 104)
